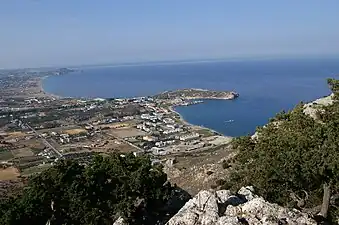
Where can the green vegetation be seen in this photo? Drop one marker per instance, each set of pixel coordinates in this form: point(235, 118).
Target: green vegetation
point(5, 155)
point(205, 132)
point(109, 187)
point(334, 85)
point(294, 160)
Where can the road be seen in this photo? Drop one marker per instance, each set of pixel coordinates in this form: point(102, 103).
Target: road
point(44, 141)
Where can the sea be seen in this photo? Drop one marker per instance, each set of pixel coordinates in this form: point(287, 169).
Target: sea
point(266, 87)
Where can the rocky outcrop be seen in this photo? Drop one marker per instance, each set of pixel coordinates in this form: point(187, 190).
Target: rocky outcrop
point(243, 208)
point(222, 207)
point(312, 107)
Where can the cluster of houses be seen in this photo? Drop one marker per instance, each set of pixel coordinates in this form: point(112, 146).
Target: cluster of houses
point(167, 135)
point(64, 138)
point(157, 123)
point(47, 153)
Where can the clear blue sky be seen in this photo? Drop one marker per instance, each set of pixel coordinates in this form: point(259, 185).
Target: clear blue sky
point(72, 32)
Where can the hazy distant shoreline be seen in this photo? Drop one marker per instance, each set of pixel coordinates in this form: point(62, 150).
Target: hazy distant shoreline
point(200, 61)
point(157, 63)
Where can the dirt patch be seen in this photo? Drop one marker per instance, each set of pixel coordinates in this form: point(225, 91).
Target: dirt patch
point(22, 152)
point(75, 131)
point(33, 143)
point(126, 132)
point(197, 171)
point(115, 125)
point(115, 147)
point(9, 173)
point(16, 134)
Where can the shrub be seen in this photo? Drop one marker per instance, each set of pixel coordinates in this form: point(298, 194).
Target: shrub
point(294, 156)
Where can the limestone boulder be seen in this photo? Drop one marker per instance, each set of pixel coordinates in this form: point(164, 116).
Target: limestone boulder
point(222, 208)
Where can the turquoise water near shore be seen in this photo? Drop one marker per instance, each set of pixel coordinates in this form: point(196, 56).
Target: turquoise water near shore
point(265, 87)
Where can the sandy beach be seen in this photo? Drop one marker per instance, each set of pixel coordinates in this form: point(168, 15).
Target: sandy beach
point(40, 86)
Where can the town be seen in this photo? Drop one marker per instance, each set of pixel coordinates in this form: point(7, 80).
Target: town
point(38, 129)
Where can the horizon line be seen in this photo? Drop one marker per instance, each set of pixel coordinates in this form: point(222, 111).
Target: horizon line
point(177, 62)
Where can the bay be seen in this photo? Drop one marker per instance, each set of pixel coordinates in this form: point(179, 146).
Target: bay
point(265, 86)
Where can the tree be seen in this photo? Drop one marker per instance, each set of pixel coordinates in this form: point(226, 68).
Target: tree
point(334, 86)
point(108, 187)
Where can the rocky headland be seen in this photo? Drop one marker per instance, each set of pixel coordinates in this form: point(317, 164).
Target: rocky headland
point(193, 93)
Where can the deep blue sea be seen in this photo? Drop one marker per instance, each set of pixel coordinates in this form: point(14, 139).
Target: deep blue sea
point(265, 87)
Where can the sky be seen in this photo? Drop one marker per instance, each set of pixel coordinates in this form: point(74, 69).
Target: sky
point(36, 33)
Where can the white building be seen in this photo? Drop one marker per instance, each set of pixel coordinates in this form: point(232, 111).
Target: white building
point(172, 131)
point(148, 138)
point(168, 120)
point(188, 137)
point(145, 116)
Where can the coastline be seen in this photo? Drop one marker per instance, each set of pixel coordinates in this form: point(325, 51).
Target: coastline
point(42, 90)
point(170, 108)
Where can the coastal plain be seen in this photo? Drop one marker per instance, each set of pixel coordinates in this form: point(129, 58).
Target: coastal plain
point(37, 129)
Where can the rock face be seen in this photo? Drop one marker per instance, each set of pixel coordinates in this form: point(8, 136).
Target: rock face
point(221, 207)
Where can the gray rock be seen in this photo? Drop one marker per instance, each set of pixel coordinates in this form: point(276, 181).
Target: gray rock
point(223, 195)
point(233, 211)
point(227, 220)
point(247, 192)
point(204, 207)
point(119, 221)
point(185, 218)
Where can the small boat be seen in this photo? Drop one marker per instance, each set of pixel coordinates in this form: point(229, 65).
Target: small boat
point(229, 121)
